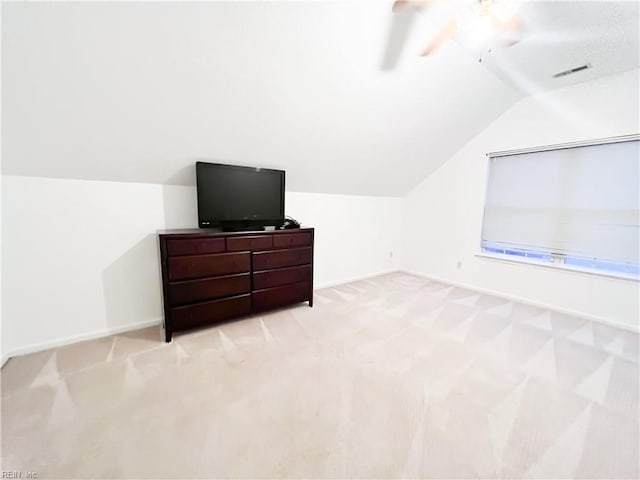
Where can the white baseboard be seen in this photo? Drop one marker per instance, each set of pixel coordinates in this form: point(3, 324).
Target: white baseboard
point(36, 347)
point(60, 342)
point(354, 279)
point(526, 301)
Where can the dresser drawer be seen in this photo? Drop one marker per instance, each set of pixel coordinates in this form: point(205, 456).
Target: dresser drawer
point(191, 291)
point(252, 242)
point(197, 266)
point(281, 276)
point(281, 258)
point(292, 240)
point(281, 296)
point(195, 246)
point(209, 312)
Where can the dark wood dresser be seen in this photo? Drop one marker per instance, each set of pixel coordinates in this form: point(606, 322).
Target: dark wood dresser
point(209, 276)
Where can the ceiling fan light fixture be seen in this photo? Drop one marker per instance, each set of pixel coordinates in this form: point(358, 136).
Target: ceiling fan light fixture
point(484, 22)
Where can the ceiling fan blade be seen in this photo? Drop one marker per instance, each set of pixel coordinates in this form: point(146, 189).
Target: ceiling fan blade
point(419, 4)
point(443, 35)
point(398, 4)
point(402, 21)
point(511, 29)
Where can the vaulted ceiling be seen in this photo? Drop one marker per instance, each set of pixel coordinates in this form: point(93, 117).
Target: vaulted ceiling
point(138, 92)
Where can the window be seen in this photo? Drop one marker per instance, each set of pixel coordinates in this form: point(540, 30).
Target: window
point(574, 206)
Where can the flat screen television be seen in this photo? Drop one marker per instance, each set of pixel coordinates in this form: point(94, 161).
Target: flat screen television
point(232, 197)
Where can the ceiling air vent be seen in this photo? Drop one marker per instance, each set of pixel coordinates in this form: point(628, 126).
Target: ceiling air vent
point(573, 70)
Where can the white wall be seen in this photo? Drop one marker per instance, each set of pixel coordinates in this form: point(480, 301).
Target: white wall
point(2, 350)
point(443, 215)
point(355, 236)
point(80, 258)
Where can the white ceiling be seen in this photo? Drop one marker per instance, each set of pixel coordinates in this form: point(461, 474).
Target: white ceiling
point(138, 92)
point(561, 35)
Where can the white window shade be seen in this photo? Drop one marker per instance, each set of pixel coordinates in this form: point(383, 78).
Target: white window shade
point(578, 201)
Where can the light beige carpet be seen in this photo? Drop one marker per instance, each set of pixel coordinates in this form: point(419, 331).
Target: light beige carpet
point(395, 376)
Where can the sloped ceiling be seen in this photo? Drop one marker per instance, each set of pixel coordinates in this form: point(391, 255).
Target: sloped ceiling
point(138, 92)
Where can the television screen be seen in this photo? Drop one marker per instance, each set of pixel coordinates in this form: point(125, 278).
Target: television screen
point(234, 196)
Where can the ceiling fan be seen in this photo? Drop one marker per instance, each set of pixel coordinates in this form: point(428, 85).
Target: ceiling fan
point(485, 22)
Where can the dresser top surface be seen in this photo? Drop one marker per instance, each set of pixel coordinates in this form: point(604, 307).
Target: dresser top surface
point(211, 232)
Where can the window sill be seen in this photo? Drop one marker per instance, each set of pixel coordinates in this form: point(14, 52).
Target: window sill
point(554, 266)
